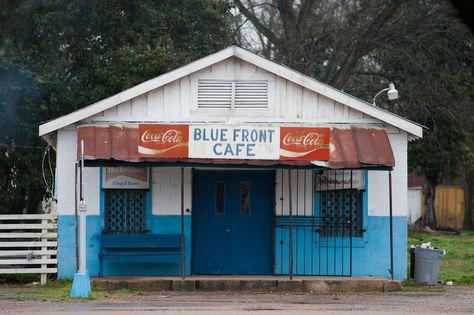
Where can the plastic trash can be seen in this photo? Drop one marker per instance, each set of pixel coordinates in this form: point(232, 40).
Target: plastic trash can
point(427, 263)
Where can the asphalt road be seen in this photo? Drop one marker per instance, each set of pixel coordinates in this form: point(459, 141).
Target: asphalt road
point(456, 300)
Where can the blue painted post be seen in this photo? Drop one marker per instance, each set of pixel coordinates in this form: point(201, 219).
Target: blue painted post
point(81, 285)
point(391, 222)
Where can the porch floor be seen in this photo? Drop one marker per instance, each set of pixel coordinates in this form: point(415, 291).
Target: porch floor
point(249, 283)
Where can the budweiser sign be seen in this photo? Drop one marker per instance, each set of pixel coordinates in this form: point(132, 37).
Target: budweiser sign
point(125, 178)
point(301, 143)
point(164, 141)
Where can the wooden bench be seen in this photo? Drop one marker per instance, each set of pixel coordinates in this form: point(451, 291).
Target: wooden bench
point(132, 246)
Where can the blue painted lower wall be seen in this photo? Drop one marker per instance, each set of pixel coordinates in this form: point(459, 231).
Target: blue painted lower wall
point(159, 225)
point(331, 255)
point(370, 253)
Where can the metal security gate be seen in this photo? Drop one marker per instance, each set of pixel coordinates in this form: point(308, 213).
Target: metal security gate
point(322, 246)
point(320, 242)
point(125, 211)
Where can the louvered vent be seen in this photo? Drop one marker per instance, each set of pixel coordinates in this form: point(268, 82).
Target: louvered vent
point(214, 94)
point(239, 94)
point(251, 94)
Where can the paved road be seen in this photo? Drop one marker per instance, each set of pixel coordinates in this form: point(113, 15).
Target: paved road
point(458, 300)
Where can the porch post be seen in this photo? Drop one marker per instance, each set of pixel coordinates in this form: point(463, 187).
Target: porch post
point(182, 224)
point(391, 222)
point(291, 225)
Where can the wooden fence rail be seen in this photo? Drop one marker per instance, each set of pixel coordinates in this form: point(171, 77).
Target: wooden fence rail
point(28, 244)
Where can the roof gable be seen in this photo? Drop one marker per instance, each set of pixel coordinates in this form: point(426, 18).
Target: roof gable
point(234, 51)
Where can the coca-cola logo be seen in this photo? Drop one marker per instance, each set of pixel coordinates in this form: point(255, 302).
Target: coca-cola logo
point(170, 136)
point(309, 139)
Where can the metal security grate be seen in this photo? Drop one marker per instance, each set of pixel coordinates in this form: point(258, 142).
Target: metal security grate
point(125, 211)
point(336, 204)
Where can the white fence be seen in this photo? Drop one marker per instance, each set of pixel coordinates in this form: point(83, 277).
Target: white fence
point(28, 244)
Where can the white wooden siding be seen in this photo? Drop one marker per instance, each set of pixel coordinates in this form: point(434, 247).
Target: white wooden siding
point(288, 102)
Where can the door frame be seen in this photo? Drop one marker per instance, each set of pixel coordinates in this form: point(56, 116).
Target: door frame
point(233, 170)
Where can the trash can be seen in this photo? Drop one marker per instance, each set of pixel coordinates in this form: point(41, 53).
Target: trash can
point(412, 261)
point(427, 263)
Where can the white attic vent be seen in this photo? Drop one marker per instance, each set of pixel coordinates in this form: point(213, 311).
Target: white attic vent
point(229, 94)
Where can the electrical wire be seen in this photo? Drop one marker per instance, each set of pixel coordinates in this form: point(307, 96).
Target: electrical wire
point(43, 173)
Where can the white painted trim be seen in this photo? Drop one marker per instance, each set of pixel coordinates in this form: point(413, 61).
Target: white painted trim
point(289, 74)
point(219, 119)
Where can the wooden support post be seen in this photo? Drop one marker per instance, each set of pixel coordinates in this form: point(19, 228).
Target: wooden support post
point(44, 248)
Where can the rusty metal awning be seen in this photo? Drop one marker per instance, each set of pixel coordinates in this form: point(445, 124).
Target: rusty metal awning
point(350, 148)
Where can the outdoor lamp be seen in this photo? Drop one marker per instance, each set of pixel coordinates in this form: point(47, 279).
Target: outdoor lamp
point(392, 93)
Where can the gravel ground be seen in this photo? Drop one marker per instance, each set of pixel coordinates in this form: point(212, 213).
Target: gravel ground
point(458, 300)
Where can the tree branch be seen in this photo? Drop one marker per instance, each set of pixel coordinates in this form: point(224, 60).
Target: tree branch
point(259, 26)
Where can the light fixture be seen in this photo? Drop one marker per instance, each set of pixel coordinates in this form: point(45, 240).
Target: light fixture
point(392, 93)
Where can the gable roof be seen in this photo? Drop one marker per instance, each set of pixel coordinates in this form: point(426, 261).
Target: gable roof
point(234, 51)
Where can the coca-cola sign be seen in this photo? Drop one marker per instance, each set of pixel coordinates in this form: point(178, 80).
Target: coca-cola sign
point(165, 141)
point(302, 143)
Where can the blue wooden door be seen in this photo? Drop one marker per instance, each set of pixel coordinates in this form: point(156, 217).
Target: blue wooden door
point(232, 222)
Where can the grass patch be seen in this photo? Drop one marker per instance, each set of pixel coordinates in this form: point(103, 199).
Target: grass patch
point(57, 290)
point(20, 278)
point(458, 264)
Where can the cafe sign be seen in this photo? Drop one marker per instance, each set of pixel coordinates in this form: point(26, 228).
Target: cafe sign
point(233, 142)
point(125, 178)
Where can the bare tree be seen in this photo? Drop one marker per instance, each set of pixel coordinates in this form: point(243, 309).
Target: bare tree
point(328, 39)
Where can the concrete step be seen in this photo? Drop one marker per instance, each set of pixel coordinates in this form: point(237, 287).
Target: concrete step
point(268, 284)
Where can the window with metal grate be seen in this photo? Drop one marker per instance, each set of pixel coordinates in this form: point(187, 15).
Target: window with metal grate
point(233, 94)
point(125, 211)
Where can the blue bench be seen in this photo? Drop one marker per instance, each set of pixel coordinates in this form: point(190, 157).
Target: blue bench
point(126, 246)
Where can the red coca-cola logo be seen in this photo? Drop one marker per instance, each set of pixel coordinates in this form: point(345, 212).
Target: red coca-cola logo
point(308, 139)
point(163, 141)
point(169, 136)
point(306, 144)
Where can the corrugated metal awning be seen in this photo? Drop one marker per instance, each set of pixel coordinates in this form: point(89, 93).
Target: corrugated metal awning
point(351, 148)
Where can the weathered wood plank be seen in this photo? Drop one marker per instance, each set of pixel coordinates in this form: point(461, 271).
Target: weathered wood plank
point(28, 235)
point(28, 244)
point(27, 216)
point(20, 253)
point(24, 261)
point(21, 226)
